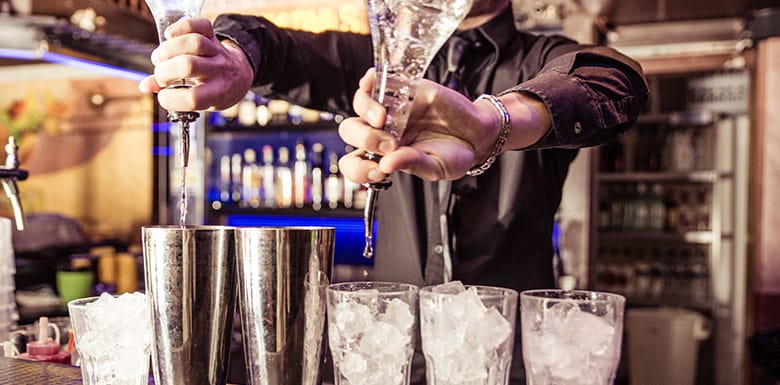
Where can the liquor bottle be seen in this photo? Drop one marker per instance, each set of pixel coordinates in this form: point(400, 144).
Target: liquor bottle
point(247, 110)
point(317, 176)
point(309, 115)
point(672, 210)
point(656, 208)
point(334, 185)
point(702, 210)
point(616, 207)
point(604, 212)
point(250, 180)
point(700, 276)
point(644, 273)
point(687, 211)
point(263, 115)
point(224, 179)
point(278, 109)
point(350, 188)
point(300, 176)
point(682, 147)
point(235, 180)
point(641, 208)
point(629, 207)
point(268, 173)
point(295, 114)
point(284, 181)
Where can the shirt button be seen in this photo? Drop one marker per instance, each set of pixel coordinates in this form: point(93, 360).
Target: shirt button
point(577, 127)
point(438, 249)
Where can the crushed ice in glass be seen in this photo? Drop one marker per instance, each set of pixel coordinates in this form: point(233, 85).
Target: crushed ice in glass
point(462, 337)
point(568, 345)
point(371, 345)
point(118, 338)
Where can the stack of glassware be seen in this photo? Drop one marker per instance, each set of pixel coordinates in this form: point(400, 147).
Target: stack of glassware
point(8, 311)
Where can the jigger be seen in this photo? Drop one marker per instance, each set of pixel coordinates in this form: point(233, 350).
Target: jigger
point(282, 275)
point(190, 283)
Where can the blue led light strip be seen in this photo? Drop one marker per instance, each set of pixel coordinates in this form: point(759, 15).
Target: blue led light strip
point(105, 69)
point(349, 240)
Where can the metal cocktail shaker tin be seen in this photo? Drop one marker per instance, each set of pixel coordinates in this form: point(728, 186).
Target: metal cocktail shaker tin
point(190, 283)
point(282, 275)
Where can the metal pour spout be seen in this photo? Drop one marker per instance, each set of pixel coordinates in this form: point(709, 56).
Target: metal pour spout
point(10, 173)
point(183, 119)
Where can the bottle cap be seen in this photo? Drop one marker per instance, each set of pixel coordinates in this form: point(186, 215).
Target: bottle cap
point(250, 156)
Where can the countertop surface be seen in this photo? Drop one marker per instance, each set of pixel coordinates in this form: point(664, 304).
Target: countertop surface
point(23, 372)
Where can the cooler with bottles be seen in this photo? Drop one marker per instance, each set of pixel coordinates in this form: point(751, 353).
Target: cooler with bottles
point(667, 205)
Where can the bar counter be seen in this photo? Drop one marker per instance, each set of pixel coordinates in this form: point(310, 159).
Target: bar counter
point(22, 372)
point(14, 371)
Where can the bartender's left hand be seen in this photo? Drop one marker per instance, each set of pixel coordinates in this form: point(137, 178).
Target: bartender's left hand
point(445, 135)
point(220, 70)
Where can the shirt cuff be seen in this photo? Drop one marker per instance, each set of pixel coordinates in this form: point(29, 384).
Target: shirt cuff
point(575, 115)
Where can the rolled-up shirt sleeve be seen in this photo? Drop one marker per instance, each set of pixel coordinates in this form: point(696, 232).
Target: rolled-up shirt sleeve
point(320, 70)
point(592, 94)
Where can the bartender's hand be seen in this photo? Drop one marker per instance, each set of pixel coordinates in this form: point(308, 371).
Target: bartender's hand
point(220, 70)
point(447, 134)
point(432, 146)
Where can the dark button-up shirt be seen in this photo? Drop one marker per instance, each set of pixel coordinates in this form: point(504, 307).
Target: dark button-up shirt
point(494, 229)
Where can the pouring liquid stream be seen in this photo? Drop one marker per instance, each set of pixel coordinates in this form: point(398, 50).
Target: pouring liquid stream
point(184, 145)
point(182, 120)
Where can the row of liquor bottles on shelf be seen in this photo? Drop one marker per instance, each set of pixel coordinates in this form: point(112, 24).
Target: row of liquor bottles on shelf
point(276, 179)
point(639, 206)
point(661, 274)
point(660, 148)
point(253, 111)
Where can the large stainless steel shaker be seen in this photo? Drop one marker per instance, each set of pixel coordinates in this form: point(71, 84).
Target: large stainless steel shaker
point(282, 275)
point(190, 281)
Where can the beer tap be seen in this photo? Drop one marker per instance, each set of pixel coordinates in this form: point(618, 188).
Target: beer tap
point(10, 173)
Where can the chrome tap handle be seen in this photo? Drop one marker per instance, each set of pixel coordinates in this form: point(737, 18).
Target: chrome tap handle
point(9, 175)
point(11, 158)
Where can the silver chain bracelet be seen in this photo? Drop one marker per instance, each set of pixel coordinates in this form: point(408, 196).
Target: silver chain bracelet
point(502, 135)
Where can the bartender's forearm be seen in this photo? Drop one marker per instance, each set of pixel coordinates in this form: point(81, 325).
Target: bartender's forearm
point(528, 117)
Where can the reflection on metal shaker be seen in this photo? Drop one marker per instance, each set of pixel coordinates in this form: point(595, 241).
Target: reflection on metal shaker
point(282, 275)
point(190, 282)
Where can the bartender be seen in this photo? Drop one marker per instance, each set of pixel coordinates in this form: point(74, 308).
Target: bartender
point(463, 205)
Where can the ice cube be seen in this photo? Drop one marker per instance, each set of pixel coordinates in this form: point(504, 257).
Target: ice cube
point(468, 364)
point(352, 365)
point(452, 287)
point(384, 339)
point(398, 314)
point(468, 305)
point(491, 330)
point(351, 319)
point(596, 335)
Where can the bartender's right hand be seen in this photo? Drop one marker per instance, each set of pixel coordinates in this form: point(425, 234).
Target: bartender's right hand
point(220, 69)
